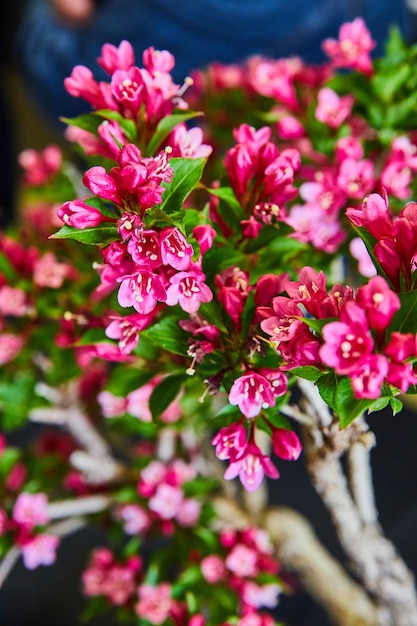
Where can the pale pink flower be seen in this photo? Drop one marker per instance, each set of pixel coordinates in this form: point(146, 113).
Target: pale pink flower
point(188, 512)
point(213, 568)
point(138, 402)
point(356, 178)
point(151, 476)
point(252, 393)
point(359, 252)
point(12, 301)
point(373, 216)
point(31, 509)
point(154, 603)
point(166, 501)
point(189, 290)
point(242, 561)
point(49, 272)
point(40, 550)
point(136, 520)
point(353, 47)
point(251, 466)
point(142, 290)
point(258, 596)
point(111, 405)
point(333, 109)
point(188, 143)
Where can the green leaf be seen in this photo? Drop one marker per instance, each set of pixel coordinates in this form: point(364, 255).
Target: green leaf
point(327, 385)
point(309, 372)
point(124, 379)
point(168, 335)
point(15, 400)
point(227, 195)
point(389, 81)
point(103, 234)
point(405, 319)
point(348, 408)
point(187, 174)
point(396, 405)
point(165, 393)
point(166, 125)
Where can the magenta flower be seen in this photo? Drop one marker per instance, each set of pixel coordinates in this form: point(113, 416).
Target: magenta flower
point(252, 393)
point(348, 343)
point(286, 444)
point(176, 251)
point(230, 441)
point(251, 467)
point(189, 290)
point(373, 216)
point(142, 290)
point(114, 58)
point(78, 214)
point(379, 301)
point(145, 249)
point(368, 377)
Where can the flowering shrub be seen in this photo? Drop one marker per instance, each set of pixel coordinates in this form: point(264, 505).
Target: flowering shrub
point(231, 277)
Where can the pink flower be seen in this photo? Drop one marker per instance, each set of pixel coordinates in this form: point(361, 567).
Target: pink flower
point(188, 512)
point(359, 251)
point(242, 561)
point(333, 109)
point(10, 347)
point(368, 376)
point(286, 444)
point(119, 584)
point(213, 568)
point(189, 290)
point(356, 178)
point(258, 596)
point(136, 520)
point(251, 466)
point(41, 166)
point(353, 47)
point(230, 441)
point(373, 216)
point(166, 501)
point(126, 329)
point(40, 550)
point(12, 301)
point(252, 393)
point(175, 249)
point(142, 290)
point(30, 509)
point(348, 343)
point(188, 143)
point(78, 214)
point(49, 272)
point(111, 405)
point(204, 234)
point(145, 249)
point(114, 58)
point(154, 603)
point(379, 301)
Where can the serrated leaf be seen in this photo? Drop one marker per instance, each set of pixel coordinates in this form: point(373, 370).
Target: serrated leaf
point(103, 234)
point(166, 125)
point(187, 174)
